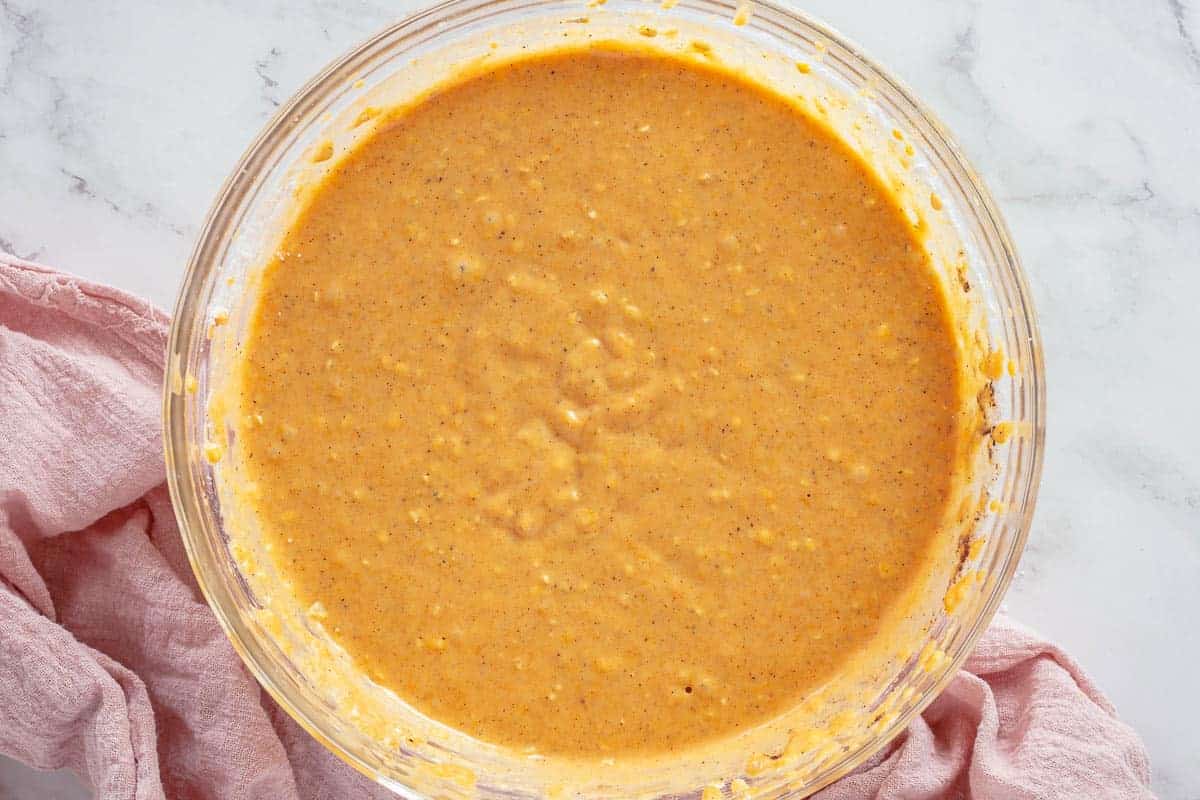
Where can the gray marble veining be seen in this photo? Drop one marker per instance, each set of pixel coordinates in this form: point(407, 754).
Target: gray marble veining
point(118, 122)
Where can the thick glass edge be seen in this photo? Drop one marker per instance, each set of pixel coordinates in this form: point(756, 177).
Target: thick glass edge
point(186, 486)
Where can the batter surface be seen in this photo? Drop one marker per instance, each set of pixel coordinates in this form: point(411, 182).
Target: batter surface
point(603, 402)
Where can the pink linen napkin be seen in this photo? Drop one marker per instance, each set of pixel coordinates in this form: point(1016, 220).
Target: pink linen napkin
point(112, 665)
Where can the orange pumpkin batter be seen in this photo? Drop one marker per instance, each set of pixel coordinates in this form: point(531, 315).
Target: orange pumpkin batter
point(604, 402)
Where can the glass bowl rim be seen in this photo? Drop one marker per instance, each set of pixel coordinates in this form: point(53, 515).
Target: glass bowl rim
point(253, 162)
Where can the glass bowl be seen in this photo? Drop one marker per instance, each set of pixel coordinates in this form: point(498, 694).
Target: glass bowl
point(899, 139)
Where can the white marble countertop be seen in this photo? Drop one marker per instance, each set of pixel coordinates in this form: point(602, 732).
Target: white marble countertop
point(119, 120)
